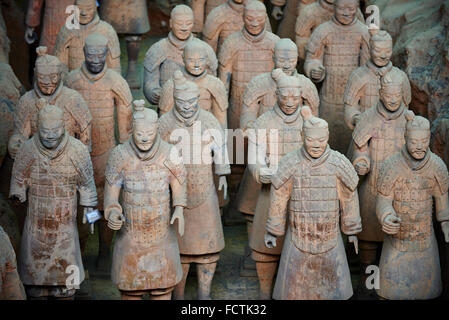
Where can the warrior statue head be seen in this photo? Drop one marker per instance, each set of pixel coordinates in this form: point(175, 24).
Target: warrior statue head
point(95, 52)
point(417, 135)
point(288, 91)
point(255, 17)
point(181, 21)
point(391, 90)
point(186, 95)
point(195, 58)
point(315, 133)
point(346, 10)
point(48, 71)
point(51, 124)
point(88, 10)
point(145, 126)
point(381, 47)
point(286, 56)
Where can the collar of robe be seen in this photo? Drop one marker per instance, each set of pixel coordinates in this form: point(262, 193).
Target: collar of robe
point(379, 71)
point(252, 38)
point(239, 7)
point(287, 118)
point(384, 112)
point(180, 44)
point(51, 153)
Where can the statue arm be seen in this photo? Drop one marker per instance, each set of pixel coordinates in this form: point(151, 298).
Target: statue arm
point(86, 182)
point(351, 222)
point(250, 106)
point(12, 288)
point(178, 191)
point(166, 100)
point(152, 85)
point(221, 113)
point(111, 199)
point(303, 30)
point(277, 212)
point(21, 174)
point(33, 17)
point(442, 207)
point(123, 102)
point(384, 207)
point(353, 93)
point(314, 54)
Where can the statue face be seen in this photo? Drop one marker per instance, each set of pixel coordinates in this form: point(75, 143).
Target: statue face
point(417, 142)
point(391, 96)
point(196, 62)
point(144, 134)
point(47, 81)
point(254, 21)
point(186, 103)
point(315, 141)
point(345, 11)
point(95, 58)
point(286, 60)
point(381, 52)
point(88, 10)
point(289, 99)
point(51, 132)
point(181, 25)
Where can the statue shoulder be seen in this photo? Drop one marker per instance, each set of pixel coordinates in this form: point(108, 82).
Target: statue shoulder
point(344, 170)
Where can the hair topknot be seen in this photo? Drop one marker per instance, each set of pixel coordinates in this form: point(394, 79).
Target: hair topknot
point(277, 74)
point(409, 115)
point(139, 105)
point(306, 113)
point(41, 51)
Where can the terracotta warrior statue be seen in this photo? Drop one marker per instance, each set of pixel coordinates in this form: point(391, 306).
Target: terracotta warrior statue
point(165, 56)
point(11, 288)
point(201, 10)
point(198, 136)
point(5, 43)
point(260, 97)
point(335, 49)
point(213, 96)
point(70, 43)
point(318, 185)
point(410, 183)
point(6, 126)
point(362, 88)
point(379, 133)
point(55, 17)
point(310, 17)
point(224, 21)
point(49, 89)
point(106, 93)
point(439, 142)
point(282, 133)
point(286, 15)
point(10, 86)
point(244, 55)
point(48, 171)
point(146, 253)
point(260, 93)
point(130, 18)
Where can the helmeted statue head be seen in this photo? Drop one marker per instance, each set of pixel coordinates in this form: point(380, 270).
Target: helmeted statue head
point(51, 124)
point(286, 56)
point(145, 126)
point(186, 95)
point(417, 135)
point(48, 71)
point(346, 10)
point(88, 10)
point(288, 91)
point(381, 47)
point(95, 52)
point(391, 90)
point(315, 133)
point(181, 21)
point(195, 58)
point(255, 17)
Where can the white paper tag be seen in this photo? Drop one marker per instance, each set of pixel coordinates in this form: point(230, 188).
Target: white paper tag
point(93, 216)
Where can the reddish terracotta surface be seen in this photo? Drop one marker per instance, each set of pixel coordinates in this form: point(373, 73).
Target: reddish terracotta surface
point(11, 288)
point(335, 49)
point(286, 26)
point(54, 17)
point(77, 117)
point(70, 43)
point(314, 180)
point(224, 21)
point(146, 253)
point(10, 86)
point(410, 183)
point(203, 238)
point(48, 171)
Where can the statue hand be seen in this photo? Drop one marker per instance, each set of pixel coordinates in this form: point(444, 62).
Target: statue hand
point(355, 241)
point(265, 178)
point(361, 168)
point(223, 185)
point(15, 142)
point(318, 73)
point(179, 214)
point(30, 35)
point(391, 224)
point(445, 229)
point(270, 240)
point(115, 220)
point(155, 96)
point(277, 13)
